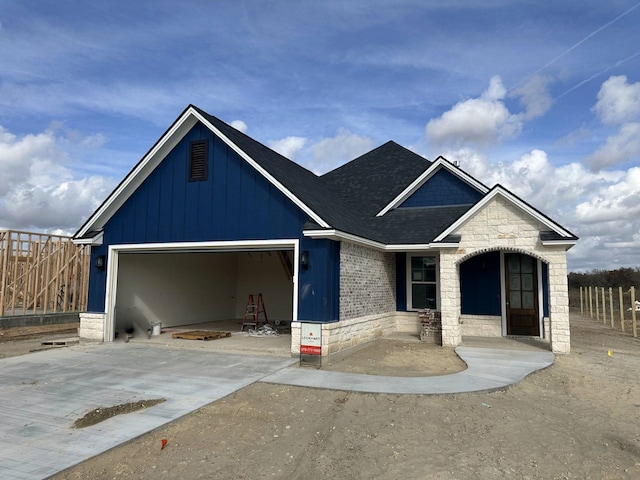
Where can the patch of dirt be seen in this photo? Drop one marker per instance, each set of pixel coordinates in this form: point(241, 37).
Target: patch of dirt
point(13, 347)
point(101, 414)
point(22, 333)
point(398, 358)
point(577, 419)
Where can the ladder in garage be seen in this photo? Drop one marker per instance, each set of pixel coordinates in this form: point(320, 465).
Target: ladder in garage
point(252, 312)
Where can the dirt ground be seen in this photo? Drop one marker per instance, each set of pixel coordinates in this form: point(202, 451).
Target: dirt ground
point(22, 340)
point(579, 419)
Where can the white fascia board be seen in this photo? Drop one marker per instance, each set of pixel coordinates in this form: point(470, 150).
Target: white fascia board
point(263, 172)
point(426, 175)
point(94, 241)
point(408, 247)
point(340, 236)
point(140, 173)
point(515, 201)
point(569, 242)
point(235, 245)
point(333, 234)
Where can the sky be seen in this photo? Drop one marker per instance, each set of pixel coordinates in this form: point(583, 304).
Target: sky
point(541, 97)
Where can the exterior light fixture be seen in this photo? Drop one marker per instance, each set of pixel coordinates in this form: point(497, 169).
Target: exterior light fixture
point(304, 259)
point(100, 262)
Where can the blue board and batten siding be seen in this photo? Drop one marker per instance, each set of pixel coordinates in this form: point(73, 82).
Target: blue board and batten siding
point(443, 189)
point(234, 203)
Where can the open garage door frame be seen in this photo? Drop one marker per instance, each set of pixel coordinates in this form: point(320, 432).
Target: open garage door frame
point(190, 247)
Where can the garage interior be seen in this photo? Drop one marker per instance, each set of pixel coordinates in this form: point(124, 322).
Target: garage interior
point(201, 290)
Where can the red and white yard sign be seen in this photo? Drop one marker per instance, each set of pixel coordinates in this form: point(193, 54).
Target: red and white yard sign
point(311, 338)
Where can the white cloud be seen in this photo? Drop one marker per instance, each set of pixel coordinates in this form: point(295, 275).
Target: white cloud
point(239, 125)
point(332, 152)
point(37, 188)
point(486, 120)
point(618, 101)
point(602, 208)
point(618, 149)
point(534, 96)
point(479, 121)
point(289, 146)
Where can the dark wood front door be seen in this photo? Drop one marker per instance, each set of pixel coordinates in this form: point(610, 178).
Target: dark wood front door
point(522, 295)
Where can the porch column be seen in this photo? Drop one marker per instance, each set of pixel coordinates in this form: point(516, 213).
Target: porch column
point(559, 304)
point(450, 299)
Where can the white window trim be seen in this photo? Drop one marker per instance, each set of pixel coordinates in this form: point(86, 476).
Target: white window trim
point(409, 282)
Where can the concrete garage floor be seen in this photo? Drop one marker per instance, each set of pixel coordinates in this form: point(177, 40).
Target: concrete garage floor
point(43, 394)
point(238, 342)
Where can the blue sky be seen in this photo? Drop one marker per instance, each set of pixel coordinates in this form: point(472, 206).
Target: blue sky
point(542, 97)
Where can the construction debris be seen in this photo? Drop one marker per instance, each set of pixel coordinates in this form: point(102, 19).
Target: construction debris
point(263, 331)
point(201, 335)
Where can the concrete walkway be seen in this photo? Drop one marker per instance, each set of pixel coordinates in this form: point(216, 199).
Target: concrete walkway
point(487, 369)
point(43, 393)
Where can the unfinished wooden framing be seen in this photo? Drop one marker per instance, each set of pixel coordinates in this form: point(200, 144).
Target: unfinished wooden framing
point(41, 274)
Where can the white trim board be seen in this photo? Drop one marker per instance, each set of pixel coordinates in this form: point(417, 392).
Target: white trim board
point(337, 235)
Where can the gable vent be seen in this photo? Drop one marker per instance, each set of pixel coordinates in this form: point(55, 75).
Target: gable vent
point(198, 161)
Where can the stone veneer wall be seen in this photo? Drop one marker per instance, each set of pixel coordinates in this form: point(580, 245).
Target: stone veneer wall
point(92, 326)
point(367, 282)
point(481, 325)
point(339, 336)
point(503, 226)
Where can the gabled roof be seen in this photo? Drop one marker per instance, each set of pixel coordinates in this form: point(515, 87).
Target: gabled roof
point(439, 164)
point(287, 176)
point(556, 230)
point(356, 201)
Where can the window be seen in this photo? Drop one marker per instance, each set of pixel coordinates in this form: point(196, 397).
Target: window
point(198, 164)
point(423, 291)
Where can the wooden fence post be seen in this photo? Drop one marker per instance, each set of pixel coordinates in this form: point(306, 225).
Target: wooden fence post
point(581, 304)
point(633, 311)
point(595, 294)
point(604, 307)
point(611, 306)
point(590, 302)
point(621, 309)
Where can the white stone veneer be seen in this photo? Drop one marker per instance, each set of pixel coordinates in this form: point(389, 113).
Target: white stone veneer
point(500, 225)
point(92, 326)
point(481, 325)
point(349, 333)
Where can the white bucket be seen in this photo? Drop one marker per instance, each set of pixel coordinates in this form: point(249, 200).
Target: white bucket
point(155, 328)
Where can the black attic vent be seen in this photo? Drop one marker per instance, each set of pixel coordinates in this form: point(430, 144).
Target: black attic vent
point(198, 161)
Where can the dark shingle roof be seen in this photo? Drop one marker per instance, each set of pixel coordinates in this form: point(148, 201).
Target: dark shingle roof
point(372, 180)
point(303, 183)
point(349, 197)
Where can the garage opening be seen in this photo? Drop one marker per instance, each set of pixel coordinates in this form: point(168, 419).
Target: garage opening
point(207, 288)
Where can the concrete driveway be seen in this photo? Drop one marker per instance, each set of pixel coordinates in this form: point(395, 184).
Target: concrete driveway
point(42, 394)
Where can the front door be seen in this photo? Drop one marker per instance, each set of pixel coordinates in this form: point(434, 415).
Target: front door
point(522, 295)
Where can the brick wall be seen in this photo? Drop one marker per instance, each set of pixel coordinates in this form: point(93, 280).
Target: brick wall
point(367, 282)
